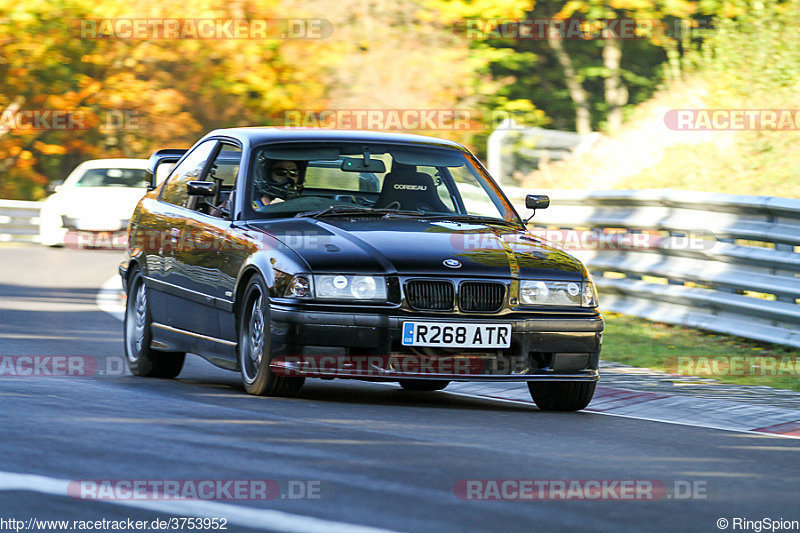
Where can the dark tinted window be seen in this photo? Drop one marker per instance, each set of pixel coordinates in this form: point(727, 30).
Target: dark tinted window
point(226, 165)
point(223, 172)
point(114, 177)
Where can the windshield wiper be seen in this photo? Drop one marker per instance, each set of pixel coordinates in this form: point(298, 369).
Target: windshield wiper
point(473, 218)
point(344, 210)
point(347, 210)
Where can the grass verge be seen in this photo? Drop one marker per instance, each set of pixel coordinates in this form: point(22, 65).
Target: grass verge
point(641, 343)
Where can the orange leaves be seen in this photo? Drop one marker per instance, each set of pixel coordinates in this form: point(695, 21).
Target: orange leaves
point(49, 149)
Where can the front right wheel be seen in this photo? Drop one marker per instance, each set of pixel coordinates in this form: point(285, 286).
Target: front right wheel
point(562, 395)
point(255, 347)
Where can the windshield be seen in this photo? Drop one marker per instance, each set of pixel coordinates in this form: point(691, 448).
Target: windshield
point(114, 177)
point(316, 179)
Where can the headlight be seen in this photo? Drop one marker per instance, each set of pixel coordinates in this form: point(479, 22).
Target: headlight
point(348, 287)
point(566, 293)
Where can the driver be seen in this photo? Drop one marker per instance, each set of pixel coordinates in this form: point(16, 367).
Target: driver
point(281, 180)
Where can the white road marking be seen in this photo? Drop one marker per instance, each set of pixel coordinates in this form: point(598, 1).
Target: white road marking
point(264, 519)
point(111, 299)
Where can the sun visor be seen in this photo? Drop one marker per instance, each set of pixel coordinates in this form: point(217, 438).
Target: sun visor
point(300, 153)
point(430, 158)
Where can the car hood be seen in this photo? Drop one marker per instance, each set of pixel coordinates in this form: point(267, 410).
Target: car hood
point(77, 202)
point(421, 247)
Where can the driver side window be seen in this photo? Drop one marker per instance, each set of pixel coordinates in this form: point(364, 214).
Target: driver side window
point(223, 172)
point(190, 169)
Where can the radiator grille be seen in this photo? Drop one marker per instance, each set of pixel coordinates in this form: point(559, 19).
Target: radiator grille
point(430, 295)
point(475, 296)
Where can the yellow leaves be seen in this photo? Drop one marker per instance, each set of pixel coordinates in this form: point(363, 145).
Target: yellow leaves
point(450, 11)
point(643, 9)
point(572, 7)
point(49, 149)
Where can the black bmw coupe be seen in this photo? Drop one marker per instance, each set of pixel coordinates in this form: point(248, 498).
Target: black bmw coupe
point(287, 254)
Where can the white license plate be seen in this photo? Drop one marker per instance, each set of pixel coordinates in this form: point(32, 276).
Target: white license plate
point(455, 335)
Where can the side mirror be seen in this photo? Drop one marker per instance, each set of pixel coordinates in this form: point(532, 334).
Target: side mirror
point(537, 201)
point(200, 188)
point(159, 162)
point(54, 186)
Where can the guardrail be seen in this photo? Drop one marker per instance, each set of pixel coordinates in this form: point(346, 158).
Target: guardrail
point(19, 221)
point(719, 262)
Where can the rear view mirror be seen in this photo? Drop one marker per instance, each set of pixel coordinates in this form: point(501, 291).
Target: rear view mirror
point(350, 164)
point(200, 188)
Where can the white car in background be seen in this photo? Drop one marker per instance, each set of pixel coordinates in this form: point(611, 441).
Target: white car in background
point(95, 201)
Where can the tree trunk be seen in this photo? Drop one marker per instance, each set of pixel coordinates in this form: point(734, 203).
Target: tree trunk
point(615, 92)
point(583, 120)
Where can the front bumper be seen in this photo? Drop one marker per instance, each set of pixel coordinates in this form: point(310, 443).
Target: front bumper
point(368, 346)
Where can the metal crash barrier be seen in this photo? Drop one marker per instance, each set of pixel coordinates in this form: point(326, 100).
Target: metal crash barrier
point(719, 262)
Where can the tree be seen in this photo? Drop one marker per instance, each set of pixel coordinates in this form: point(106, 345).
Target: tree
point(134, 95)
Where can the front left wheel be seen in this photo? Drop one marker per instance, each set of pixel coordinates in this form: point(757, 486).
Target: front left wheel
point(562, 395)
point(255, 346)
point(423, 385)
point(142, 359)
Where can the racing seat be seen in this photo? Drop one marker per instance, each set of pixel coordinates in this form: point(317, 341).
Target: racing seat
point(406, 189)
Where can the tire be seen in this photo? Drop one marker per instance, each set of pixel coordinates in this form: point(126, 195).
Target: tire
point(423, 385)
point(562, 395)
point(142, 359)
point(255, 349)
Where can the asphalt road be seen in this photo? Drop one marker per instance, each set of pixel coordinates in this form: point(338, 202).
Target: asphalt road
point(371, 454)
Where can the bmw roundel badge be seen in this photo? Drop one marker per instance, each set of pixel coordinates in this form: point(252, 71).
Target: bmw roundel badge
point(452, 263)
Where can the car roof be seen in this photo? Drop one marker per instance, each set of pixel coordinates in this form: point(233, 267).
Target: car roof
point(114, 163)
point(259, 135)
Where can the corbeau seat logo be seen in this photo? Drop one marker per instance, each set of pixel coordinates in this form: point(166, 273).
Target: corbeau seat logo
point(407, 187)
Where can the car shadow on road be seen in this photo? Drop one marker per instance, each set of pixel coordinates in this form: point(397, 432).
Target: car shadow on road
point(358, 392)
point(55, 295)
